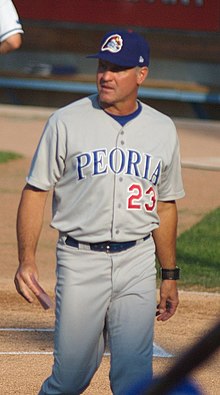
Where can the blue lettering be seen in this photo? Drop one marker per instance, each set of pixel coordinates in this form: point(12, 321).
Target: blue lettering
point(117, 160)
point(83, 161)
point(98, 162)
point(156, 174)
point(134, 158)
point(147, 166)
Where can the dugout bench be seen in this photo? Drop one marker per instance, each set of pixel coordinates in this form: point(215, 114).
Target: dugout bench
point(163, 90)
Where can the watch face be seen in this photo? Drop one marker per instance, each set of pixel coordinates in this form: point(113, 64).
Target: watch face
point(170, 274)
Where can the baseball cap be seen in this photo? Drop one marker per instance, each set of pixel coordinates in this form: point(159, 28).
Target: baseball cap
point(124, 48)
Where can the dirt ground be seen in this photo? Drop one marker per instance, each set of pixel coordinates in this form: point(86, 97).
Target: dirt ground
point(25, 355)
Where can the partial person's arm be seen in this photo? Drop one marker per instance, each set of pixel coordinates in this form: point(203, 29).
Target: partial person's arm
point(165, 241)
point(29, 225)
point(10, 27)
point(10, 44)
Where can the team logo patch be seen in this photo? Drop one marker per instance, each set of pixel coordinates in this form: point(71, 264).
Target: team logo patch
point(113, 44)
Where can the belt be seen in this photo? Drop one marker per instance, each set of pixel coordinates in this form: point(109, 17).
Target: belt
point(106, 246)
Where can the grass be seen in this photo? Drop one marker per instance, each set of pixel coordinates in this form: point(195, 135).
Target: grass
point(198, 254)
point(6, 156)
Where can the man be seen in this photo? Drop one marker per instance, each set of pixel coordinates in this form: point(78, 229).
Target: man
point(10, 27)
point(114, 165)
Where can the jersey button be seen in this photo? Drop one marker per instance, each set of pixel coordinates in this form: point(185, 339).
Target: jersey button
point(120, 179)
point(117, 232)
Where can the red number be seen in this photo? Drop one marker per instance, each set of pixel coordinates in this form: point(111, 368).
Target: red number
point(134, 199)
point(137, 195)
point(152, 197)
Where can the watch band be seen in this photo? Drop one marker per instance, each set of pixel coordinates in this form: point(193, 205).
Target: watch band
point(170, 274)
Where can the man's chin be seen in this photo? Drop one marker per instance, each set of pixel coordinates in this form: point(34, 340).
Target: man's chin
point(105, 101)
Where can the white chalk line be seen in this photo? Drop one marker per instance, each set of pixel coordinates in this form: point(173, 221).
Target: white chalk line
point(205, 293)
point(26, 353)
point(26, 330)
point(157, 350)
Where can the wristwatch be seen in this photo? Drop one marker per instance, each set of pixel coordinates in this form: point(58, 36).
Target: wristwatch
point(170, 274)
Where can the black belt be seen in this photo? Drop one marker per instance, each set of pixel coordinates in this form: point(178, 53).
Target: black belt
point(106, 246)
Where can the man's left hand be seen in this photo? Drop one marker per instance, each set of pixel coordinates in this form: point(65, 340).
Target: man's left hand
point(168, 300)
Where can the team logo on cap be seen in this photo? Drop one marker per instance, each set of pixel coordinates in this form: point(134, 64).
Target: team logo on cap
point(113, 44)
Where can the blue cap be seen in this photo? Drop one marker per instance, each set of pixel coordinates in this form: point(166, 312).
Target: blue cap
point(124, 48)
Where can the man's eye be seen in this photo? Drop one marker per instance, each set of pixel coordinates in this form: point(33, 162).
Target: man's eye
point(116, 69)
point(103, 68)
point(113, 68)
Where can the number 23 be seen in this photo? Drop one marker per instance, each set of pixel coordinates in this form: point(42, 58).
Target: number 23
point(136, 196)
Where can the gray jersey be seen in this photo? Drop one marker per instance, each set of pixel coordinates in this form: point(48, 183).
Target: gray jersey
point(106, 178)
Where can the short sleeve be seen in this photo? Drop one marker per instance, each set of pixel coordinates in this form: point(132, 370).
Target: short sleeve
point(171, 185)
point(48, 163)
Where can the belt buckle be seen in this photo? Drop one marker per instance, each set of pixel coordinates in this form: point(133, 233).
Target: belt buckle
point(108, 247)
point(103, 246)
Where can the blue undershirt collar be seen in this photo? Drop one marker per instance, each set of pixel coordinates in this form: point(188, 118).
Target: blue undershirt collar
point(123, 119)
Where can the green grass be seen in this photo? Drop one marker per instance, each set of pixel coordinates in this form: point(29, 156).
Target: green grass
point(198, 255)
point(6, 156)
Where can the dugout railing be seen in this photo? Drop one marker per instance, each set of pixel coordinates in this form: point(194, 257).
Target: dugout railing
point(178, 91)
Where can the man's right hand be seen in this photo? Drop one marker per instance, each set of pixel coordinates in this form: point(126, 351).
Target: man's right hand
point(26, 281)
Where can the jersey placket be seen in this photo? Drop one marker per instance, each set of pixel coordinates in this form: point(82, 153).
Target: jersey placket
point(118, 190)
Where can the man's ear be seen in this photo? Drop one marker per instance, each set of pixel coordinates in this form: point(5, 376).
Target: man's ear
point(142, 73)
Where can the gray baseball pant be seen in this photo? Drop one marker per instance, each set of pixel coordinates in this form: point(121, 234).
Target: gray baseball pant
point(98, 290)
